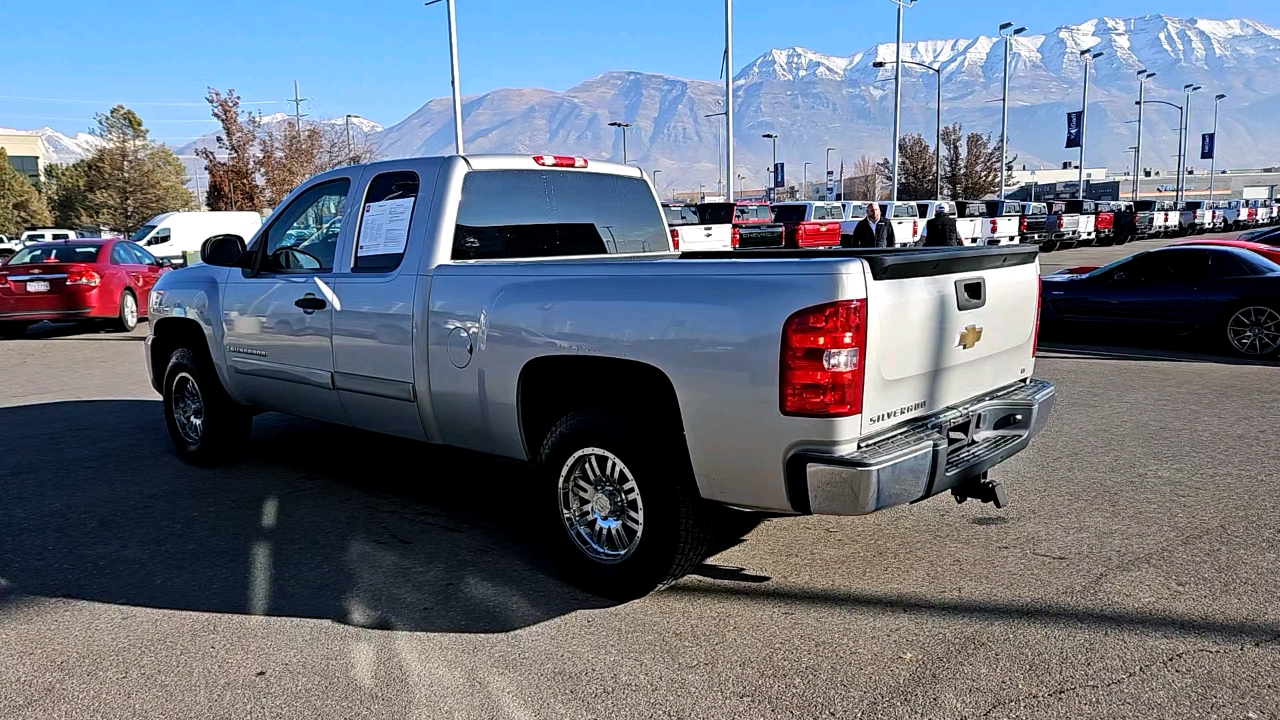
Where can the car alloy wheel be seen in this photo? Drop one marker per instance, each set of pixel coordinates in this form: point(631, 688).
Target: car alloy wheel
point(129, 310)
point(188, 408)
point(1254, 330)
point(600, 505)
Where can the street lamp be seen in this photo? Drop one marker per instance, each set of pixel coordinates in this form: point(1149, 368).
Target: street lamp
point(827, 178)
point(624, 127)
point(1143, 76)
point(1213, 159)
point(1179, 108)
point(1187, 91)
point(1008, 36)
point(774, 168)
point(453, 73)
point(897, 93)
point(937, 149)
point(728, 95)
point(804, 184)
point(1088, 57)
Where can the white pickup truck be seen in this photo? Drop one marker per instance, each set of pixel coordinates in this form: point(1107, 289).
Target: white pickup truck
point(690, 231)
point(532, 307)
point(968, 224)
point(1002, 218)
point(903, 216)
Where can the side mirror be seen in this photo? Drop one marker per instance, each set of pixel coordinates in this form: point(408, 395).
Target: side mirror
point(222, 250)
point(165, 262)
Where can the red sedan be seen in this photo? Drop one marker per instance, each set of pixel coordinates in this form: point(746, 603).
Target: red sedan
point(1270, 252)
point(72, 280)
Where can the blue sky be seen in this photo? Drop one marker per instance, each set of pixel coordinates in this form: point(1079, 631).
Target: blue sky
point(383, 59)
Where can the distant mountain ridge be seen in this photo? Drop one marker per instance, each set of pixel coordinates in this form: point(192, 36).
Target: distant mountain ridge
point(814, 100)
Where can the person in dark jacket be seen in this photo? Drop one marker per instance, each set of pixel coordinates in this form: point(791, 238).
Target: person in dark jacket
point(941, 231)
point(871, 231)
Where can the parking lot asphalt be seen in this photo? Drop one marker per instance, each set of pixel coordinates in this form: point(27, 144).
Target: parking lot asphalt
point(338, 574)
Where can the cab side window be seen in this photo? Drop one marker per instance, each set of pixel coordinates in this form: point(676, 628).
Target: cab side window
point(304, 238)
point(383, 232)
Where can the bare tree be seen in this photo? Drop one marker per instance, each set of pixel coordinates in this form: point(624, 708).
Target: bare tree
point(864, 182)
point(970, 164)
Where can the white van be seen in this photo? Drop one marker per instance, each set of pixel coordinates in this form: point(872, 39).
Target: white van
point(174, 234)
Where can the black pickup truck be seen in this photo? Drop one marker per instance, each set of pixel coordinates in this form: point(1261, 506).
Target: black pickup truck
point(1032, 225)
point(1062, 226)
point(753, 224)
point(1136, 221)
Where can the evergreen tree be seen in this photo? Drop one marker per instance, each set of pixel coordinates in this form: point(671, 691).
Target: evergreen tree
point(20, 203)
point(68, 197)
point(131, 179)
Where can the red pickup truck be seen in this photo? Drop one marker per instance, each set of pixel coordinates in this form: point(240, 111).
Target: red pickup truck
point(810, 224)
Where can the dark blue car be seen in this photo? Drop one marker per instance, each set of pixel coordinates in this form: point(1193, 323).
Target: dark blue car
point(1229, 295)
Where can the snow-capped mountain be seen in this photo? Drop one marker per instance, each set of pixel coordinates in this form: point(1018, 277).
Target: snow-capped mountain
point(814, 101)
point(61, 148)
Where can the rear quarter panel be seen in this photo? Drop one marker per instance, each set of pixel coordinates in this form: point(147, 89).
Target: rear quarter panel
point(713, 327)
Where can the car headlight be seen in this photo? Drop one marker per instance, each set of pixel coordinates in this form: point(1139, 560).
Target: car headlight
point(154, 301)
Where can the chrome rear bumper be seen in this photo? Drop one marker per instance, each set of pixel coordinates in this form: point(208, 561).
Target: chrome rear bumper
point(923, 458)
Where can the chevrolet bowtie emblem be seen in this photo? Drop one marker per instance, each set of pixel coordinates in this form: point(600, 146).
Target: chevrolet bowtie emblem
point(970, 336)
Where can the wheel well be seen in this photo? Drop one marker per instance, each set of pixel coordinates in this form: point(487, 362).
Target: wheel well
point(552, 387)
point(169, 334)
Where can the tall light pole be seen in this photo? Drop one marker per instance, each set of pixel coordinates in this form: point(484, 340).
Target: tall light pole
point(1187, 91)
point(1213, 161)
point(728, 94)
point(937, 144)
point(773, 169)
point(1088, 57)
point(826, 179)
point(1008, 36)
point(719, 158)
point(804, 184)
point(1143, 76)
point(624, 127)
point(453, 72)
point(897, 93)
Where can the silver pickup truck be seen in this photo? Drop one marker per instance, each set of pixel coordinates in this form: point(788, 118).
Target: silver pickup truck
point(532, 308)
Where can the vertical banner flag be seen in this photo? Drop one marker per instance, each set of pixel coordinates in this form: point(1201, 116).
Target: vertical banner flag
point(779, 177)
point(1207, 142)
point(1073, 129)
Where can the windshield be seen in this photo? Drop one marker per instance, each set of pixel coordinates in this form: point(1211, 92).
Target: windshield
point(142, 232)
point(57, 253)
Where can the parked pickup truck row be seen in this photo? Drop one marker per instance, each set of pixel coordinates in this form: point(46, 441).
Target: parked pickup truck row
point(534, 308)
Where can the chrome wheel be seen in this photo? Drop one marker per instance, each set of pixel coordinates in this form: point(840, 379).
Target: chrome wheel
point(600, 505)
point(1254, 330)
point(129, 310)
point(188, 408)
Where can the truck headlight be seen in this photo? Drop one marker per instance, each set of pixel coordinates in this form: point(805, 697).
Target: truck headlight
point(154, 302)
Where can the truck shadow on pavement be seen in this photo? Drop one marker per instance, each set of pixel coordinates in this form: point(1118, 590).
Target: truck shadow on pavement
point(318, 522)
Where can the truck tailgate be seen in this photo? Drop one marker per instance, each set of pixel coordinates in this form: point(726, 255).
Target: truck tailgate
point(942, 333)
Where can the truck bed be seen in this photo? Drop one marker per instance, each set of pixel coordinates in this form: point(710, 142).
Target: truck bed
point(897, 262)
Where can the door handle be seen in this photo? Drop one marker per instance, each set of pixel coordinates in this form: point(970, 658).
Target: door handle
point(310, 303)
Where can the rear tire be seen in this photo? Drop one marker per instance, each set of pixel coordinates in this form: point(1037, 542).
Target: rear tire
point(127, 320)
point(206, 426)
point(1048, 246)
point(13, 330)
point(1251, 330)
point(627, 517)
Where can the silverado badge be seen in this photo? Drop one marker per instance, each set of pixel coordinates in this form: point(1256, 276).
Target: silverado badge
point(970, 337)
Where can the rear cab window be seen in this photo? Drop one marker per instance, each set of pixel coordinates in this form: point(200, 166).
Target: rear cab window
point(788, 213)
point(56, 254)
point(681, 215)
point(555, 213)
point(827, 212)
point(383, 232)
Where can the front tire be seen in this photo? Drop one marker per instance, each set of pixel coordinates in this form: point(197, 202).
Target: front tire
point(1251, 330)
point(127, 320)
point(206, 426)
point(627, 514)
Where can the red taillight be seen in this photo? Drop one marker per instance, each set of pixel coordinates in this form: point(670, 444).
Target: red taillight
point(994, 226)
point(800, 233)
point(915, 229)
point(733, 238)
point(823, 360)
point(4, 281)
point(1022, 224)
point(1135, 218)
point(675, 239)
point(1035, 334)
point(83, 276)
point(560, 161)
